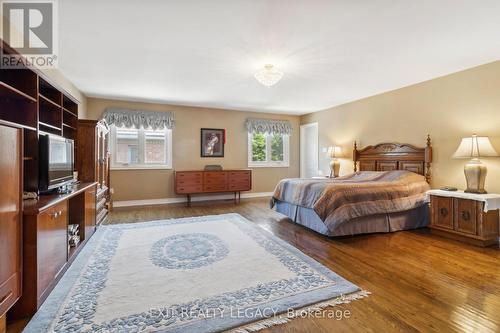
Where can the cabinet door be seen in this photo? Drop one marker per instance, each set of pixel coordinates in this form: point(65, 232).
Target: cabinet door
point(10, 215)
point(465, 216)
point(52, 245)
point(90, 212)
point(442, 212)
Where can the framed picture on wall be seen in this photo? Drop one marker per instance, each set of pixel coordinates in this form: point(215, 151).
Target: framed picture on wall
point(212, 142)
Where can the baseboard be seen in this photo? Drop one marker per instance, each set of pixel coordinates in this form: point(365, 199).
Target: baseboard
point(165, 201)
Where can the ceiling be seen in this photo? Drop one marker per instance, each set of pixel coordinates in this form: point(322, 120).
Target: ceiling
point(205, 53)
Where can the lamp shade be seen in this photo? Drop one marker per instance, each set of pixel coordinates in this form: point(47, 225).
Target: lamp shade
point(335, 151)
point(475, 147)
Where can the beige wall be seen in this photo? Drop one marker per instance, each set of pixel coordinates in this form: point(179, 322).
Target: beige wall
point(447, 108)
point(157, 184)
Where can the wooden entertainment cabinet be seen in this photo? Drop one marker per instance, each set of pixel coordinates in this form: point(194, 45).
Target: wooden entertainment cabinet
point(34, 247)
point(46, 251)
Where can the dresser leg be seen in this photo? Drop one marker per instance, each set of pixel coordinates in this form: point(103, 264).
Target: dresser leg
point(189, 200)
point(239, 197)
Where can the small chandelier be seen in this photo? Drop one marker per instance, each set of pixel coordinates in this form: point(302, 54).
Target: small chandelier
point(268, 76)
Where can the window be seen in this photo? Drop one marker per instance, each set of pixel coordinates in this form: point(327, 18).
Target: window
point(140, 148)
point(268, 150)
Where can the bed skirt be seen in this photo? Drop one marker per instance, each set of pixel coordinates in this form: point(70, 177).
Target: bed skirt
point(410, 219)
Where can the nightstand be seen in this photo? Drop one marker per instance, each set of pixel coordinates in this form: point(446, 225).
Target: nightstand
point(467, 217)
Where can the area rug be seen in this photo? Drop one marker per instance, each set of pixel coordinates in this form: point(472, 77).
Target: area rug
point(203, 274)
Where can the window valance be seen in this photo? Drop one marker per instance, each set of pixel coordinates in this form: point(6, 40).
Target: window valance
point(139, 118)
point(268, 126)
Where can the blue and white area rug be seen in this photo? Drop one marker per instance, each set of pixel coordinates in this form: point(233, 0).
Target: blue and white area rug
point(202, 274)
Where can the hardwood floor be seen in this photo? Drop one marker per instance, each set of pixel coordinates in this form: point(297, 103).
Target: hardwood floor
point(419, 282)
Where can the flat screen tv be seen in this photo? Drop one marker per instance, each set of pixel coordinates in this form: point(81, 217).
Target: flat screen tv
point(56, 162)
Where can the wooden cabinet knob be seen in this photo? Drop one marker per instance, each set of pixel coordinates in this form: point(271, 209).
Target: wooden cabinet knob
point(444, 212)
point(465, 215)
point(56, 214)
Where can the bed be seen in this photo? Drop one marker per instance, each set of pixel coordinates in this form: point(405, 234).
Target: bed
point(386, 193)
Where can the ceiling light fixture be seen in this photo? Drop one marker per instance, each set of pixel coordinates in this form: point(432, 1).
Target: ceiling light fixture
point(268, 76)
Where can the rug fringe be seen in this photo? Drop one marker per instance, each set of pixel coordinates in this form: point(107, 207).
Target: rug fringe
point(287, 317)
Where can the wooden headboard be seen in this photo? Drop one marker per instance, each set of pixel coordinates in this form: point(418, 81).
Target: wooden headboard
point(394, 156)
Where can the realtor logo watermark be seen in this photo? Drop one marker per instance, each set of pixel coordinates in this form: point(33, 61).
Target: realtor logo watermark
point(29, 27)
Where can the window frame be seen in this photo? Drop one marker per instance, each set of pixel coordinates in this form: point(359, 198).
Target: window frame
point(141, 151)
point(269, 163)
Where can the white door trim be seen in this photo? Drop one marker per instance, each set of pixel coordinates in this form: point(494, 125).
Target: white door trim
point(303, 147)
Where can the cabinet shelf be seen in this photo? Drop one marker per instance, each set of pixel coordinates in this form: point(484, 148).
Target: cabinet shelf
point(50, 129)
point(48, 100)
point(9, 92)
point(50, 126)
point(68, 126)
point(29, 99)
point(18, 84)
point(70, 106)
point(48, 92)
point(70, 113)
point(29, 128)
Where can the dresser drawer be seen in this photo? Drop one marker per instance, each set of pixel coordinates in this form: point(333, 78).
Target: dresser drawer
point(186, 175)
point(239, 187)
point(215, 181)
point(189, 182)
point(190, 189)
point(9, 293)
point(241, 182)
point(236, 174)
point(214, 188)
point(215, 175)
point(442, 212)
point(240, 179)
point(466, 216)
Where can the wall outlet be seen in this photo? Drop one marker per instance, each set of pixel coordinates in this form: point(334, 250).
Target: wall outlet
point(112, 190)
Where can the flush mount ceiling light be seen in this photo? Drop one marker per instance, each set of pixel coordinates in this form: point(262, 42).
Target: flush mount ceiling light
point(268, 76)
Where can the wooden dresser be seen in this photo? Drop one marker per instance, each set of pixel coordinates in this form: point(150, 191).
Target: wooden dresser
point(199, 181)
point(462, 216)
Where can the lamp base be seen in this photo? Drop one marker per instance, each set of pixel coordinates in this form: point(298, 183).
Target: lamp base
point(475, 175)
point(476, 191)
point(334, 168)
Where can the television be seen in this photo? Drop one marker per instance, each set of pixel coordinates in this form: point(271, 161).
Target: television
point(55, 162)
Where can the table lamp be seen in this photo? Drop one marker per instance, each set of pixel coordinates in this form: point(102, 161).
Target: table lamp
point(334, 152)
point(474, 148)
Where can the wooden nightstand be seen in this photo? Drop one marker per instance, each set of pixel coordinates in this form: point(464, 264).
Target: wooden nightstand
point(471, 218)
